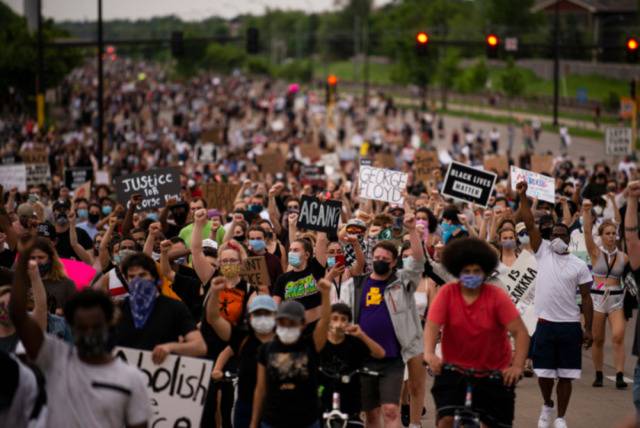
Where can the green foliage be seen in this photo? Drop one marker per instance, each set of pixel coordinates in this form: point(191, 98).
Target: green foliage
point(258, 65)
point(448, 69)
point(474, 78)
point(511, 80)
point(223, 58)
point(294, 70)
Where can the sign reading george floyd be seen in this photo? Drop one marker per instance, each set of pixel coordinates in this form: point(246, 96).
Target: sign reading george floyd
point(318, 215)
point(156, 187)
point(177, 388)
point(468, 184)
point(382, 184)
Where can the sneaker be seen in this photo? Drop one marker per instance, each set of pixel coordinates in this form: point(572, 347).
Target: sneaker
point(546, 414)
point(405, 415)
point(597, 383)
point(620, 383)
point(560, 423)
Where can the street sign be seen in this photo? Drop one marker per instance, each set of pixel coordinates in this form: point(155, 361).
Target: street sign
point(618, 141)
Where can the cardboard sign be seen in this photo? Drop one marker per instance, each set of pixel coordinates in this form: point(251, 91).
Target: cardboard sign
point(618, 141)
point(103, 177)
point(497, 164)
point(255, 272)
point(310, 150)
point(468, 184)
point(206, 152)
point(156, 187)
point(221, 195)
point(382, 184)
point(272, 162)
point(83, 191)
point(317, 215)
point(76, 177)
point(215, 136)
point(37, 174)
point(425, 162)
point(578, 246)
point(35, 156)
point(520, 282)
point(542, 163)
point(538, 186)
point(385, 160)
point(313, 175)
point(177, 388)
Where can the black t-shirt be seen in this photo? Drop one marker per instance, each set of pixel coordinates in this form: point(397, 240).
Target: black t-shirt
point(63, 244)
point(292, 383)
point(169, 320)
point(7, 258)
point(342, 359)
point(301, 286)
point(187, 285)
point(245, 347)
point(9, 343)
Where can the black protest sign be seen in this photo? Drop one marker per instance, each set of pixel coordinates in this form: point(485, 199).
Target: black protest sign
point(76, 177)
point(156, 187)
point(313, 175)
point(468, 184)
point(318, 215)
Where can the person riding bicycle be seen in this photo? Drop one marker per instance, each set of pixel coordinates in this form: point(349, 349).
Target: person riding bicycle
point(474, 318)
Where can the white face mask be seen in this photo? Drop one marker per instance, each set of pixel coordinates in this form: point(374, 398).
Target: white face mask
point(598, 210)
point(263, 324)
point(524, 240)
point(559, 246)
point(288, 335)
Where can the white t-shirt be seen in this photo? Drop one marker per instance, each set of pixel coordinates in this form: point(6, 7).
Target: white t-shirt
point(86, 395)
point(556, 284)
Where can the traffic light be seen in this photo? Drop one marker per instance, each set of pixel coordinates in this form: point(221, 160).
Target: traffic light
point(177, 44)
point(332, 89)
point(493, 44)
point(253, 40)
point(632, 46)
point(422, 43)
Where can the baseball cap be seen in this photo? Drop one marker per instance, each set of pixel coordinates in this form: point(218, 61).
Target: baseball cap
point(356, 226)
point(209, 243)
point(61, 205)
point(263, 302)
point(214, 213)
point(291, 310)
point(520, 227)
point(46, 230)
point(26, 210)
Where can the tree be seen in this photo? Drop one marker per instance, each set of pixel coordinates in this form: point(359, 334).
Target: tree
point(512, 81)
point(446, 73)
point(474, 78)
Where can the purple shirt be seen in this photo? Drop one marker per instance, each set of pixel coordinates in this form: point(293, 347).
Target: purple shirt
point(375, 319)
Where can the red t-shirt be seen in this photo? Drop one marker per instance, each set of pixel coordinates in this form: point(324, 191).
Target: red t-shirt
point(474, 336)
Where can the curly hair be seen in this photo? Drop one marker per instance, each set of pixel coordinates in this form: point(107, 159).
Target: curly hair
point(89, 298)
point(467, 251)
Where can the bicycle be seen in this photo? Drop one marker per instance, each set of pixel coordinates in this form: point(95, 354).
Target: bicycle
point(336, 418)
point(465, 416)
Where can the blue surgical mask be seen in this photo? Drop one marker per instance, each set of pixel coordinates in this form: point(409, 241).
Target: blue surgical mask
point(152, 216)
point(407, 262)
point(524, 239)
point(257, 244)
point(294, 259)
point(447, 230)
point(106, 210)
point(180, 261)
point(331, 262)
point(83, 213)
point(471, 281)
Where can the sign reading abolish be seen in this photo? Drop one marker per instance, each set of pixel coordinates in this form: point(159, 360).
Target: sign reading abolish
point(520, 282)
point(177, 388)
point(382, 184)
point(76, 177)
point(538, 186)
point(468, 184)
point(317, 215)
point(156, 187)
point(255, 272)
point(618, 141)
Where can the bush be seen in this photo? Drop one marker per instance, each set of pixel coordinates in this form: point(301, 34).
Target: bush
point(258, 65)
point(612, 102)
point(473, 79)
point(293, 70)
point(223, 57)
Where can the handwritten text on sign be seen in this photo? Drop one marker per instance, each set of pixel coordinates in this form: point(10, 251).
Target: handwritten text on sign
point(520, 281)
point(255, 271)
point(317, 215)
point(156, 187)
point(538, 186)
point(382, 184)
point(177, 387)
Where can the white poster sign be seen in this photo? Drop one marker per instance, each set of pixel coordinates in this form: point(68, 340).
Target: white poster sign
point(382, 184)
point(538, 186)
point(618, 141)
point(177, 388)
point(14, 176)
point(520, 282)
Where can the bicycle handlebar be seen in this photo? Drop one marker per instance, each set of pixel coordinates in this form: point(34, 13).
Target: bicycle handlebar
point(346, 378)
point(493, 374)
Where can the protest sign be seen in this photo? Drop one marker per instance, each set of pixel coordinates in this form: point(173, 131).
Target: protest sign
point(103, 177)
point(156, 187)
point(177, 388)
point(313, 175)
point(215, 136)
point(76, 177)
point(618, 141)
point(35, 156)
point(520, 283)
point(578, 246)
point(468, 184)
point(382, 184)
point(255, 272)
point(318, 215)
point(205, 152)
point(83, 191)
point(310, 150)
point(425, 162)
point(542, 163)
point(221, 195)
point(37, 174)
point(538, 186)
point(385, 160)
point(14, 176)
point(271, 162)
point(497, 164)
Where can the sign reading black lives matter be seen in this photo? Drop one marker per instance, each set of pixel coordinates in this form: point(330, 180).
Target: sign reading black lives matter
point(76, 177)
point(156, 187)
point(468, 184)
point(318, 215)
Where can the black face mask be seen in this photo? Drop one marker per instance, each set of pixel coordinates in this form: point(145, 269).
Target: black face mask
point(381, 267)
point(240, 238)
point(546, 232)
point(94, 218)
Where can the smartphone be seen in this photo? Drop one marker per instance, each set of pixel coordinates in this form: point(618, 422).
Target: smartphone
point(340, 259)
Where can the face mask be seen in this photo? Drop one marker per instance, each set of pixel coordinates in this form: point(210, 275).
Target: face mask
point(143, 295)
point(331, 262)
point(559, 246)
point(230, 271)
point(33, 198)
point(239, 238)
point(117, 259)
point(407, 262)
point(288, 335)
point(294, 259)
point(91, 345)
point(106, 210)
point(62, 220)
point(83, 213)
point(255, 208)
point(524, 240)
point(94, 218)
point(546, 233)
point(4, 315)
point(44, 268)
point(471, 281)
point(598, 210)
point(263, 324)
point(508, 244)
point(180, 261)
point(152, 216)
point(381, 267)
point(385, 234)
point(448, 230)
point(257, 244)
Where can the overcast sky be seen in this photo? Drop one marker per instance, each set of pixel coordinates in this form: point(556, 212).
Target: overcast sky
point(186, 9)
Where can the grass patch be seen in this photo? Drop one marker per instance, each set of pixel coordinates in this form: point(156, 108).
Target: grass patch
point(344, 70)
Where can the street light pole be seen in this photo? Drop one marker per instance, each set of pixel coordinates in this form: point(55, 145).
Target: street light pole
point(556, 61)
point(100, 87)
point(40, 72)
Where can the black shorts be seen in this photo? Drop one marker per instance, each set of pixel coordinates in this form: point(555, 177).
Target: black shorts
point(382, 389)
point(492, 400)
point(556, 350)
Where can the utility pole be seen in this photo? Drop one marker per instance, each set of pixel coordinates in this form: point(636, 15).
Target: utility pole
point(556, 60)
point(40, 72)
point(100, 88)
point(365, 48)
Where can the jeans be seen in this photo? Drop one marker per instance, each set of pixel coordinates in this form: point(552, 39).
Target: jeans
point(636, 388)
point(316, 424)
point(242, 414)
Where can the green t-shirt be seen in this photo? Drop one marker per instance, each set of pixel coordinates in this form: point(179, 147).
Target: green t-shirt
point(187, 232)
